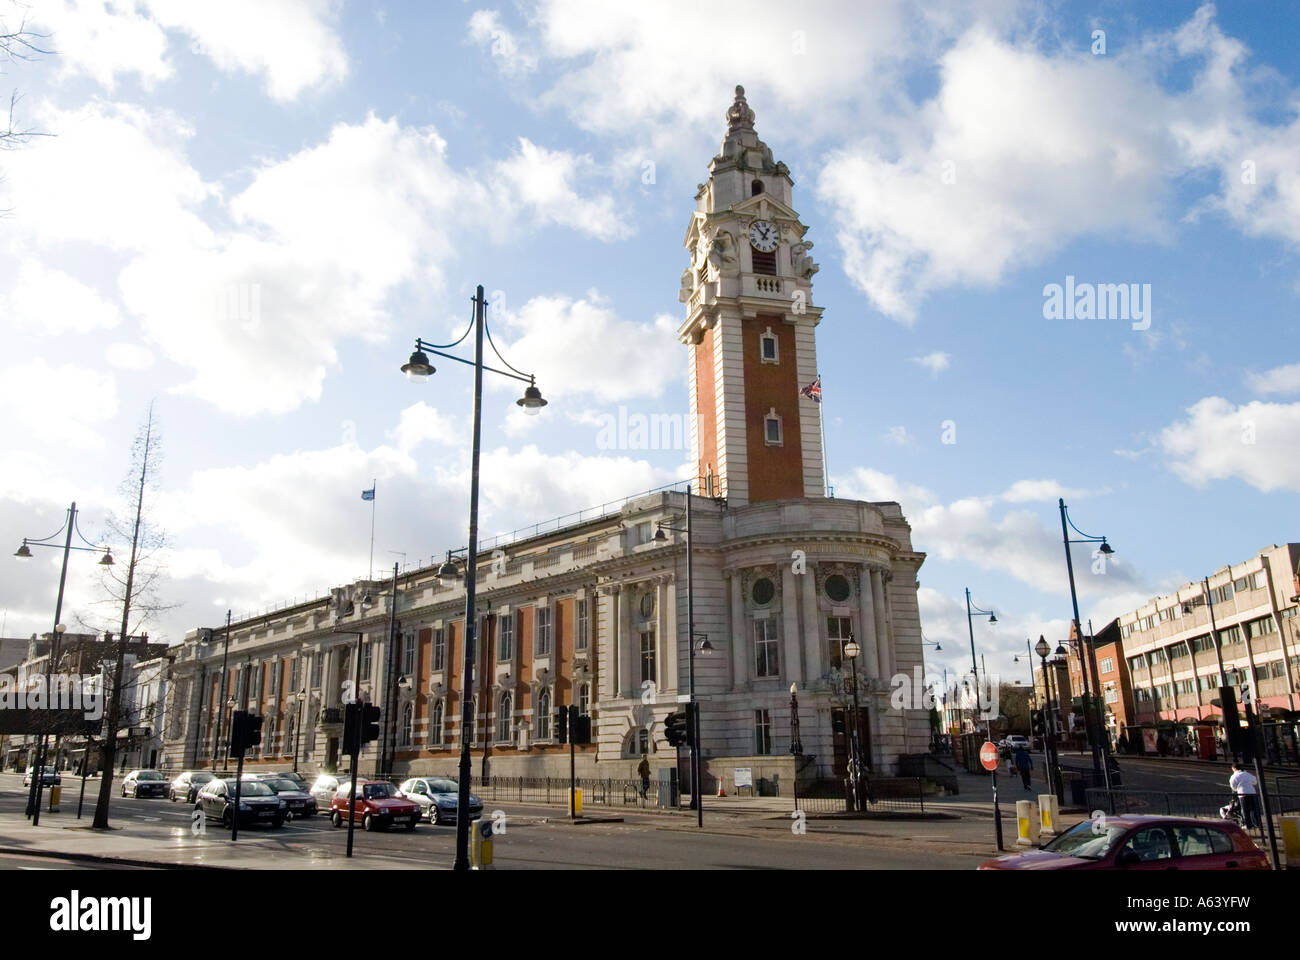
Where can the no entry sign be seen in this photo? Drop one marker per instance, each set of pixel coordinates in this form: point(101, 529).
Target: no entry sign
point(989, 755)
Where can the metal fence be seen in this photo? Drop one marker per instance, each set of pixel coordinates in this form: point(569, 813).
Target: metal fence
point(1283, 799)
point(883, 795)
point(608, 792)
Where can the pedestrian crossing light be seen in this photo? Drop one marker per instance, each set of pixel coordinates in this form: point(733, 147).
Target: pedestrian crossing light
point(562, 725)
point(370, 715)
point(675, 729)
point(1036, 719)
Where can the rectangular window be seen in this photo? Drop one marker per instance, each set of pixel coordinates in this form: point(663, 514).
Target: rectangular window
point(762, 732)
point(648, 656)
point(766, 660)
point(1241, 586)
point(1112, 695)
point(410, 645)
point(542, 638)
point(772, 430)
point(1107, 665)
point(1258, 580)
point(294, 674)
point(506, 641)
point(580, 625)
point(838, 631)
point(366, 659)
point(1277, 669)
point(439, 649)
point(1124, 631)
point(317, 662)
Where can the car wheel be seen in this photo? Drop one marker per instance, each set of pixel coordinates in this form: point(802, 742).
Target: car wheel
point(411, 826)
point(225, 818)
point(435, 816)
point(336, 818)
point(368, 822)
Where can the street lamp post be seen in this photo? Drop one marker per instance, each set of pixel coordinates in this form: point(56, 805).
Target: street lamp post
point(1053, 761)
point(972, 611)
point(297, 728)
point(24, 553)
point(796, 745)
point(1218, 655)
point(418, 370)
point(851, 650)
point(221, 696)
point(1100, 749)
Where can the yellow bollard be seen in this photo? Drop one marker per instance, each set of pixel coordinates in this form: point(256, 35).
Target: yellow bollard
point(56, 794)
point(576, 800)
point(1049, 813)
point(481, 848)
point(1026, 823)
point(1291, 841)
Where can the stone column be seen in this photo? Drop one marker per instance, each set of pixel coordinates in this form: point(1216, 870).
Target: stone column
point(661, 639)
point(883, 653)
point(790, 627)
point(669, 643)
point(868, 659)
point(739, 634)
point(626, 645)
point(812, 636)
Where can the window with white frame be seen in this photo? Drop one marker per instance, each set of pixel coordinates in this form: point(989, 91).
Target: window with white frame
point(435, 725)
point(766, 659)
point(772, 435)
point(642, 741)
point(505, 718)
point(584, 699)
point(290, 725)
point(1112, 695)
point(1258, 580)
point(768, 348)
point(580, 625)
point(408, 724)
point(762, 732)
point(410, 645)
point(317, 663)
point(542, 634)
point(542, 716)
point(294, 674)
point(367, 656)
point(1107, 664)
point(648, 654)
point(439, 649)
point(506, 637)
point(838, 632)
point(472, 725)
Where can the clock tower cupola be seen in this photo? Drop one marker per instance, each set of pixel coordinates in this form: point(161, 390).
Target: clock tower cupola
point(750, 327)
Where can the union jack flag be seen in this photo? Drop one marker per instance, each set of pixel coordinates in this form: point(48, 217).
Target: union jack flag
point(813, 391)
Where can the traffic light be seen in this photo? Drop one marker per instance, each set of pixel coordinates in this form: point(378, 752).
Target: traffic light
point(238, 733)
point(370, 715)
point(1232, 728)
point(692, 717)
point(352, 728)
point(1036, 721)
point(562, 725)
point(252, 730)
point(580, 728)
point(675, 729)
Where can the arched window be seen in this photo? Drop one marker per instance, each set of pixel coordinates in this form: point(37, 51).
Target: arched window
point(435, 726)
point(408, 723)
point(473, 717)
point(643, 741)
point(288, 748)
point(505, 722)
point(756, 188)
point(542, 715)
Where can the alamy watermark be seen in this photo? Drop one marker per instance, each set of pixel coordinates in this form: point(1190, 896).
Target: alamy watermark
point(57, 691)
point(1098, 301)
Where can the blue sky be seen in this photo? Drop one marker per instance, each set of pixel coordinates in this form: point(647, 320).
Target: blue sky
point(249, 211)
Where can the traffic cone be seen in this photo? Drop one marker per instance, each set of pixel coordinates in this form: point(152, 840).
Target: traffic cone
point(721, 792)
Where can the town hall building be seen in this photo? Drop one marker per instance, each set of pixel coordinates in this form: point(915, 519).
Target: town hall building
point(595, 613)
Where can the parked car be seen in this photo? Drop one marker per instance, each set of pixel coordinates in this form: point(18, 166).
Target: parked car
point(378, 804)
point(301, 803)
point(1133, 842)
point(438, 798)
point(187, 786)
point(49, 778)
point(324, 788)
point(145, 783)
point(257, 803)
point(1016, 741)
point(290, 775)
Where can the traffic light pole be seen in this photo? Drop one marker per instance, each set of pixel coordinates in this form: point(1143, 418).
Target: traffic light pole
point(239, 729)
point(573, 803)
point(356, 747)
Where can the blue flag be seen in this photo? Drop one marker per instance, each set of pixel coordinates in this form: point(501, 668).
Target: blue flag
point(368, 494)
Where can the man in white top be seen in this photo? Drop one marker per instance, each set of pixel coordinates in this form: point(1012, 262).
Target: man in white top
point(1243, 784)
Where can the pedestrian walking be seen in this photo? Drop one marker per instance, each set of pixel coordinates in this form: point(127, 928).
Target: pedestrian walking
point(643, 771)
point(1024, 763)
point(1244, 784)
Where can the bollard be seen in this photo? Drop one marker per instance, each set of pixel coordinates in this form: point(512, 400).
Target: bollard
point(1026, 823)
point(576, 801)
point(56, 794)
point(1049, 813)
point(481, 847)
point(1291, 841)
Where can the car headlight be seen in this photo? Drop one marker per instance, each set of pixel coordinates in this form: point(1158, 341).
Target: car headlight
point(283, 805)
point(244, 805)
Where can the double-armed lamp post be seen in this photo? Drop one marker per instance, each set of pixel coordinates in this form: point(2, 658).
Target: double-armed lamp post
point(418, 369)
point(971, 612)
point(24, 553)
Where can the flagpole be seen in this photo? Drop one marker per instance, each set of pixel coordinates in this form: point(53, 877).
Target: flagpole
point(826, 470)
point(372, 528)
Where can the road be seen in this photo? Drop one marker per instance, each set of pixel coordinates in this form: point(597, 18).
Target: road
point(538, 837)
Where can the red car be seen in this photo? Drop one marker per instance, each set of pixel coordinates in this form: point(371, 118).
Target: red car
point(378, 805)
point(1132, 842)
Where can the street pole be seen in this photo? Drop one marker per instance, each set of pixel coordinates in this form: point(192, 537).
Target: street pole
point(697, 793)
point(573, 802)
point(220, 705)
point(390, 698)
point(970, 626)
point(38, 770)
point(1055, 780)
point(198, 717)
point(471, 575)
point(356, 746)
point(1218, 655)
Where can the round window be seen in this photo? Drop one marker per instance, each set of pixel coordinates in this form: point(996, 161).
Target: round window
point(763, 592)
point(837, 588)
point(647, 605)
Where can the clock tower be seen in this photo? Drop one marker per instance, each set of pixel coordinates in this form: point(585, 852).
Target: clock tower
point(750, 328)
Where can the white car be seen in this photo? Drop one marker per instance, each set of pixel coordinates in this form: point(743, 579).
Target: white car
point(323, 789)
point(437, 797)
point(1016, 742)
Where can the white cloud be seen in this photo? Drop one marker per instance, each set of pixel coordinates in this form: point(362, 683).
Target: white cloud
point(542, 181)
point(1031, 491)
point(486, 29)
point(1283, 380)
point(1257, 442)
point(897, 435)
point(63, 405)
point(103, 39)
point(48, 302)
point(128, 356)
point(292, 43)
point(935, 362)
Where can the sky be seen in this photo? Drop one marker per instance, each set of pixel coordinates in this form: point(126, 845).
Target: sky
point(246, 212)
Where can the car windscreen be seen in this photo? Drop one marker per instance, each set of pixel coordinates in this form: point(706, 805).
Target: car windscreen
point(279, 786)
point(379, 791)
point(200, 777)
point(1088, 840)
point(149, 775)
point(255, 788)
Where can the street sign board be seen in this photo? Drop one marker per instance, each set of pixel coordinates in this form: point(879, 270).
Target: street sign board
point(989, 755)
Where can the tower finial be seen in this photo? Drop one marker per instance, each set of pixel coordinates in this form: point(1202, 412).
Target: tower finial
point(739, 116)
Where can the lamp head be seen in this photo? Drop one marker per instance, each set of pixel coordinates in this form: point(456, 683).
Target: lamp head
point(992, 618)
point(107, 559)
point(1041, 648)
point(851, 649)
point(448, 573)
point(1105, 547)
point(705, 648)
point(660, 536)
point(531, 401)
point(937, 648)
point(418, 369)
point(794, 688)
point(22, 552)
point(1060, 650)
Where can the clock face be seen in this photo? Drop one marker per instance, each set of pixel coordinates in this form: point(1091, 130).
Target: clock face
point(763, 236)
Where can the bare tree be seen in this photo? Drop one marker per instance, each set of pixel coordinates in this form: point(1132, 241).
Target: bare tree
point(18, 44)
point(135, 588)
